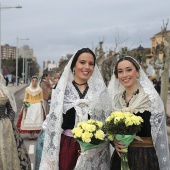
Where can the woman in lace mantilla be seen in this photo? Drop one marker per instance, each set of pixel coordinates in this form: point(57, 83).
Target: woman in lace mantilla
point(32, 115)
point(131, 90)
point(13, 153)
point(80, 94)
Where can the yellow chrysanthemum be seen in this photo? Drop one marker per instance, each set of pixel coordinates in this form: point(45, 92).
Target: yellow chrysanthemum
point(99, 135)
point(86, 137)
point(90, 128)
point(80, 124)
point(110, 137)
point(84, 125)
point(91, 121)
point(108, 119)
point(99, 124)
point(128, 121)
point(117, 114)
point(77, 132)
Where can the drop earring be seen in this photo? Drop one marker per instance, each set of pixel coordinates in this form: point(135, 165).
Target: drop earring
point(137, 79)
point(74, 72)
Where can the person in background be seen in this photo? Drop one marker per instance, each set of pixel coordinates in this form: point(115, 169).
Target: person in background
point(7, 80)
point(156, 83)
point(80, 95)
point(132, 91)
point(13, 153)
point(32, 114)
point(58, 75)
point(52, 81)
point(46, 88)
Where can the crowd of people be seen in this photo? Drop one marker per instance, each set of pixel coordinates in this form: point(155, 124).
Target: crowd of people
point(80, 94)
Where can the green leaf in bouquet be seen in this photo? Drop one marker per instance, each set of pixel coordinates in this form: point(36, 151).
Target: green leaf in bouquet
point(86, 146)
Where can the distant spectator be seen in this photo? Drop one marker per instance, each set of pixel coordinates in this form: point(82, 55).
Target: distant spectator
point(13, 80)
point(6, 79)
point(52, 81)
point(157, 85)
point(46, 87)
point(58, 75)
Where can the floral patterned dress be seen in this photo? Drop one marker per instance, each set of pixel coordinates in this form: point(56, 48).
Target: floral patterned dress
point(13, 153)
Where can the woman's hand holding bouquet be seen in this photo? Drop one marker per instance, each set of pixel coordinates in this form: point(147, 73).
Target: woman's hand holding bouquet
point(26, 105)
point(89, 134)
point(122, 127)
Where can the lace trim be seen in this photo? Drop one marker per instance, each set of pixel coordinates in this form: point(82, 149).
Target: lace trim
point(7, 93)
point(32, 91)
point(138, 103)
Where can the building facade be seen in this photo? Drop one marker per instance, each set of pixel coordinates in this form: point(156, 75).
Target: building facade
point(25, 52)
point(8, 52)
point(46, 63)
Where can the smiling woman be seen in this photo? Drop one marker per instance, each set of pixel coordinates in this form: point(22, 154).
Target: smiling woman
point(132, 91)
point(127, 72)
point(84, 68)
point(80, 95)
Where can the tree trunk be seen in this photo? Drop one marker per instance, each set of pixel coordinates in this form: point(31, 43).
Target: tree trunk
point(165, 78)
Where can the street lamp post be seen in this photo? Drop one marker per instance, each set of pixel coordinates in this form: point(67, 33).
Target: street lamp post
point(17, 55)
point(4, 7)
point(29, 71)
point(26, 70)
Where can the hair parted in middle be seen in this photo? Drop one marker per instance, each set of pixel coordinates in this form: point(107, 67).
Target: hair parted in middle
point(78, 53)
point(34, 77)
point(128, 58)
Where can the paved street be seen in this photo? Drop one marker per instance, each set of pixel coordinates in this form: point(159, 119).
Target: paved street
point(30, 144)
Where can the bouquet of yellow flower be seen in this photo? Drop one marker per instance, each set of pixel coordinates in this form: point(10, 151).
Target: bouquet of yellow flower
point(89, 134)
point(123, 127)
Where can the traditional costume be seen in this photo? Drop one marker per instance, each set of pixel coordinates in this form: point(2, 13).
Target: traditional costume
point(13, 153)
point(32, 117)
point(152, 152)
point(69, 107)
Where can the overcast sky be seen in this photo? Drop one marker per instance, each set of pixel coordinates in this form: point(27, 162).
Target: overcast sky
point(58, 27)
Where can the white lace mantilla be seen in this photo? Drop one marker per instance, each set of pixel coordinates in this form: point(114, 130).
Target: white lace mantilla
point(96, 103)
point(94, 159)
point(7, 93)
